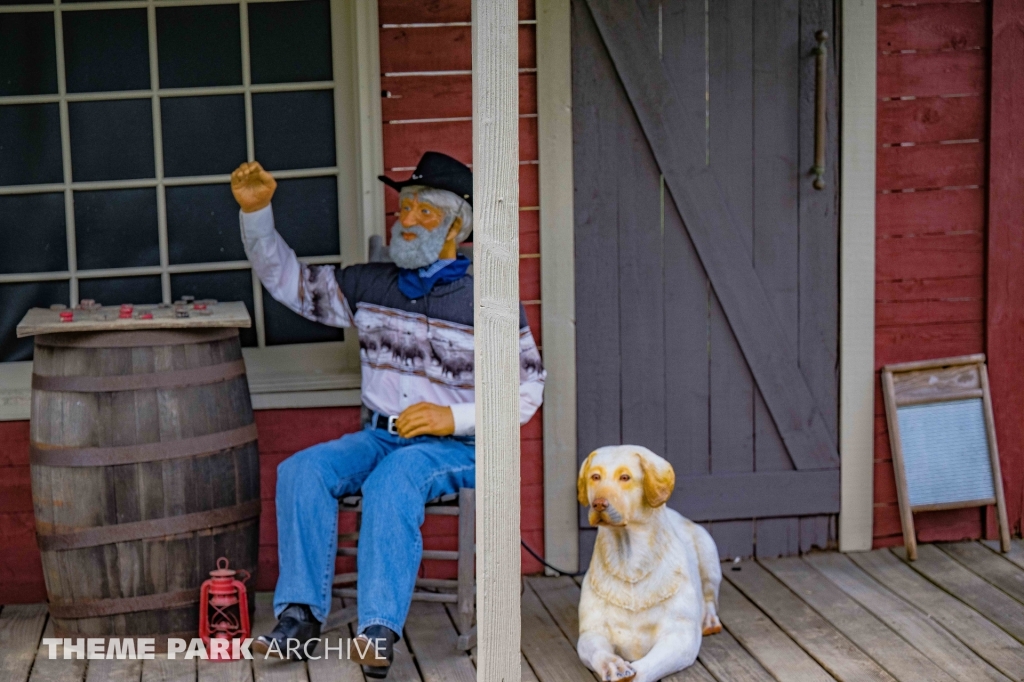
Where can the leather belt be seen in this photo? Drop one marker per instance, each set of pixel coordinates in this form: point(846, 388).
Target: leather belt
point(385, 422)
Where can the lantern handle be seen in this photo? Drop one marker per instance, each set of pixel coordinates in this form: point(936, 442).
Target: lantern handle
point(239, 573)
point(223, 567)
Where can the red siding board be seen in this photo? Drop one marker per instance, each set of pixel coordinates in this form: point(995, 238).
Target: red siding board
point(436, 11)
point(14, 438)
point(927, 341)
point(405, 143)
point(529, 190)
point(930, 212)
point(959, 288)
point(932, 119)
point(930, 74)
point(533, 318)
point(932, 27)
point(947, 255)
point(902, 313)
point(441, 48)
point(931, 166)
point(885, 482)
point(15, 490)
point(448, 96)
point(529, 279)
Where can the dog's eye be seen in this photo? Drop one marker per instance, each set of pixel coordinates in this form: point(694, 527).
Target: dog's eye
point(624, 477)
point(595, 477)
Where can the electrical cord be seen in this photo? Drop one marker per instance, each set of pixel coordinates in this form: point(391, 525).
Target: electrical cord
point(556, 570)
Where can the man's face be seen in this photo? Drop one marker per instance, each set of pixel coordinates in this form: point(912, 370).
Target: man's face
point(419, 234)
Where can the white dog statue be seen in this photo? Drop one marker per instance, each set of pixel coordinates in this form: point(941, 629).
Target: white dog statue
point(652, 588)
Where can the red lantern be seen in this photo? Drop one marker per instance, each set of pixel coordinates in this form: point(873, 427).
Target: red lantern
point(223, 610)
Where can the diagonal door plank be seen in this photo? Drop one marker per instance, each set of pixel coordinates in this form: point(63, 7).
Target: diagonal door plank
point(715, 232)
point(901, 660)
point(814, 634)
point(969, 588)
point(989, 565)
point(773, 649)
point(985, 638)
point(913, 625)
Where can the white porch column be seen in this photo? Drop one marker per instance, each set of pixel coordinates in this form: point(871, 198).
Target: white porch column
point(496, 291)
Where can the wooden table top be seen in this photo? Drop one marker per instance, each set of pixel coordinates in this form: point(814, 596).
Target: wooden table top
point(191, 315)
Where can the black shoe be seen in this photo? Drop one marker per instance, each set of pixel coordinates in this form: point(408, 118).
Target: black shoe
point(373, 665)
point(297, 624)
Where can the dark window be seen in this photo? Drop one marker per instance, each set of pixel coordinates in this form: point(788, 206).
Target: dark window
point(28, 60)
point(306, 215)
point(118, 290)
point(106, 50)
point(112, 140)
point(116, 229)
point(30, 144)
point(235, 285)
point(199, 46)
point(284, 326)
point(15, 301)
point(203, 135)
point(33, 237)
point(202, 225)
point(294, 129)
point(290, 41)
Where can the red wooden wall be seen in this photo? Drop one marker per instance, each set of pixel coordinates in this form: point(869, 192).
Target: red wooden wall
point(931, 288)
point(426, 76)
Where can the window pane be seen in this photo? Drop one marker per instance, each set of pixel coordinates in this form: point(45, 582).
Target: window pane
point(116, 229)
point(112, 140)
point(32, 233)
point(28, 57)
point(290, 41)
point(306, 215)
point(30, 141)
point(199, 46)
point(106, 50)
point(235, 285)
point(294, 129)
point(15, 300)
point(284, 326)
point(118, 290)
point(202, 224)
point(203, 135)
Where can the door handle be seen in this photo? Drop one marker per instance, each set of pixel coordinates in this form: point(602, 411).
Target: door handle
point(820, 101)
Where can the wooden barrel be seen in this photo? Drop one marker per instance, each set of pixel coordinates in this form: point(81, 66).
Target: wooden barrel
point(144, 471)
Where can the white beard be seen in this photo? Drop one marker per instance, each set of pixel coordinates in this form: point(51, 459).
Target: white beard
point(419, 252)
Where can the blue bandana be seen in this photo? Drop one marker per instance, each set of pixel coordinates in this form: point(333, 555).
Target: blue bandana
point(418, 283)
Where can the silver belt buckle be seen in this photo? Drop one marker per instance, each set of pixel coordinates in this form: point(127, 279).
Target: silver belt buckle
point(392, 425)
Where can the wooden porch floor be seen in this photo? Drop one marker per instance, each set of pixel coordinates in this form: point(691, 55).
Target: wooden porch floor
point(956, 614)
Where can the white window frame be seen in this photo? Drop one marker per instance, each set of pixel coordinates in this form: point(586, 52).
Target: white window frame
point(299, 375)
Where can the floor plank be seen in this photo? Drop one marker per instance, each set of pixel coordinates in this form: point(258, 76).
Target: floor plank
point(991, 566)
point(979, 633)
point(46, 669)
point(970, 588)
point(912, 624)
point(433, 638)
point(162, 669)
point(225, 671)
point(551, 655)
point(727, 661)
point(773, 649)
point(272, 669)
point(695, 673)
point(114, 671)
point(561, 598)
point(901, 660)
point(21, 626)
point(1016, 553)
point(827, 645)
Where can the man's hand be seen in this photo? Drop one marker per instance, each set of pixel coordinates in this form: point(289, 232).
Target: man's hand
point(252, 186)
point(425, 419)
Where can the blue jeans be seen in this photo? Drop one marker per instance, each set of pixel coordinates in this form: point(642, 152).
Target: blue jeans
point(397, 476)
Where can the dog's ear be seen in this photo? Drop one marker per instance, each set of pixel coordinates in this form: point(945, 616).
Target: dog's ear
point(659, 478)
point(581, 482)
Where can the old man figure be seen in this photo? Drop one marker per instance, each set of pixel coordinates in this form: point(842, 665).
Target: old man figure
point(414, 318)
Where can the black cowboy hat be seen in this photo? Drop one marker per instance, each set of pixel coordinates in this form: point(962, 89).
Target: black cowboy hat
point(439, 171)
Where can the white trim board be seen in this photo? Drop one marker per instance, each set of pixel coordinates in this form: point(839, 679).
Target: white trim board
point(857, 273)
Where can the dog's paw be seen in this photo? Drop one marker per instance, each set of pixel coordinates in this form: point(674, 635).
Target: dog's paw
point(616, 670)
point(711, 625)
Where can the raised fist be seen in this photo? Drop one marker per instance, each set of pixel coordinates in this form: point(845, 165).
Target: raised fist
point(252, 186)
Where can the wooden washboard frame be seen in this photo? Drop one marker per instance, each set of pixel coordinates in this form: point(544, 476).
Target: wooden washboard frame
point(930, 382)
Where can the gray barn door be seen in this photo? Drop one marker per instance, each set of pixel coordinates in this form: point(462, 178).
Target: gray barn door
point(706, 262)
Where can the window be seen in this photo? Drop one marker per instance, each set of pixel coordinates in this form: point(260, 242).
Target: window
point(120, 124)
